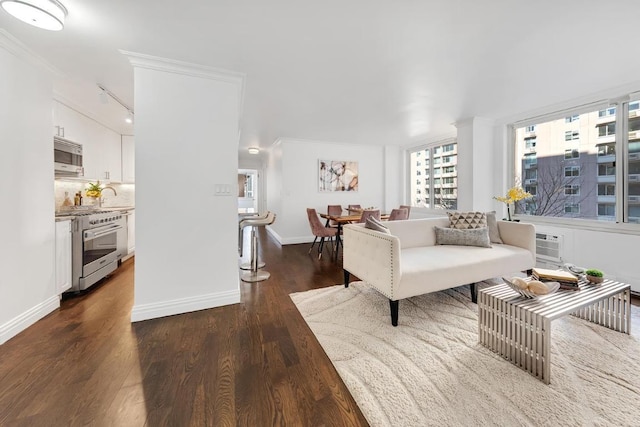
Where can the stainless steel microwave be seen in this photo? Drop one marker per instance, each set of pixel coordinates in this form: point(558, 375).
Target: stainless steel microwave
point(67, 158)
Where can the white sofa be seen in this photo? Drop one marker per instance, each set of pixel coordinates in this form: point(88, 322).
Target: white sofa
point(408, 262)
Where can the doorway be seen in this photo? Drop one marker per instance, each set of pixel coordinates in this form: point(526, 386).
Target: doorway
point(247, 191)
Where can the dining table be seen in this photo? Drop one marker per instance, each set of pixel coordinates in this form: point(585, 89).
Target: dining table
point(340, 220)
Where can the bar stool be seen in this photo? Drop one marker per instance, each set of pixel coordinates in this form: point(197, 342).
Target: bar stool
point(255, 275)
point(241, 226)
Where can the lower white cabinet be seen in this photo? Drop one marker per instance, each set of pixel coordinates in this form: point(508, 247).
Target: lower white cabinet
point(63, 256)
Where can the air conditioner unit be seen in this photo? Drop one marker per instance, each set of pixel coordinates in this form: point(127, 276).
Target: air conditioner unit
point(634, 135)
point(633, 113)
point(634, 178)
point(549, 247)
point(634, 198)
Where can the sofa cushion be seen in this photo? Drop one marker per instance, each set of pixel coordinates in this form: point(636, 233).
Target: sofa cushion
point(467, 220)
point(492, 225)
point(470, 237)
point(375, 224)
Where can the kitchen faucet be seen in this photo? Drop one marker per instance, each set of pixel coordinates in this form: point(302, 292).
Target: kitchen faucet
point(101, 199)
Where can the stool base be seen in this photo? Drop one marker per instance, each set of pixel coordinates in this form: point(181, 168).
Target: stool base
point(258, 276)
point(247, 265)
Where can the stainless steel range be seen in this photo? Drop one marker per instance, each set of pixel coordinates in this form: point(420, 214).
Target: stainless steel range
point(99, 241)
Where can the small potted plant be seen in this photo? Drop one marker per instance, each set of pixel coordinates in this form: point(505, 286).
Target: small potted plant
point(594, 276)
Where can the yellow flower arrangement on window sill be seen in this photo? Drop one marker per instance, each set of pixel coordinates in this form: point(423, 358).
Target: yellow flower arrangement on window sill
point(514, 195)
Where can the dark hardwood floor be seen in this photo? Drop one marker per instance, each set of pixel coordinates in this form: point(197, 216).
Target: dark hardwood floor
point(249, 364)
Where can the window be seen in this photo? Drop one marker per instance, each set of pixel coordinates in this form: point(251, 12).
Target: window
point(572, 208)
point(571, 154)
point(606, 169)
point(571, 135)
point(530, 174)
point(572, 119)
point(531, 189)
point(530, 160)
point(606, 129)
point(571, 171)
point(530, 143)
point(606, 190)
point(606, 210)
point(607, 149)
point(572, 190)
point(607, 112)
point(428, 191)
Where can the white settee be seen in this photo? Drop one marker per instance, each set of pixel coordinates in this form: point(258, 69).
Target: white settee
point(408, 262)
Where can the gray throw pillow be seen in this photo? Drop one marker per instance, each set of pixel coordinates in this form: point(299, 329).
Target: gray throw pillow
point(492, 225)
point(470, 237)
point(375, 224)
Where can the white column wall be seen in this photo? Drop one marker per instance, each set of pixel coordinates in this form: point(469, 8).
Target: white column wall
point(186, 159)
point(476, 164)
point(27, 227)
point(393, 177)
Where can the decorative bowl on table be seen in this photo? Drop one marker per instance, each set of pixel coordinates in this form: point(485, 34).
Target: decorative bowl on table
point(594, 279)
point(532, 288)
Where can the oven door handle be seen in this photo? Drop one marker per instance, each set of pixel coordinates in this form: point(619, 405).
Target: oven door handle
point(91, 234)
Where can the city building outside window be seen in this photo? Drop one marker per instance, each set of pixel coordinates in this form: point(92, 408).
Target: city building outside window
point(580, 180)
point(430, 192)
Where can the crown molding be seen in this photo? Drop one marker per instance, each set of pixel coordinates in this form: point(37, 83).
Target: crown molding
point(20, 50)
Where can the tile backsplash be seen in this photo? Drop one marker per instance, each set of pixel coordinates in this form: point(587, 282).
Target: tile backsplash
point(125, 197)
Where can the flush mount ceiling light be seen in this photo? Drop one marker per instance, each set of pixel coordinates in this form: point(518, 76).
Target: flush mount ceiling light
point(254, 150)
point(46, 14)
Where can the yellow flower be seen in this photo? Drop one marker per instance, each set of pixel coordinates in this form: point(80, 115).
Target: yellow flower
point(515, 194)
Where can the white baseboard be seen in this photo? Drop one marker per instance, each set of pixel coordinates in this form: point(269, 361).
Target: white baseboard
point(289, 240)
point(19, 323)
point(183, 305)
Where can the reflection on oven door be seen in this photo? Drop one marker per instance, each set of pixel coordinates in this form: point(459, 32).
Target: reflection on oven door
point(99, 248)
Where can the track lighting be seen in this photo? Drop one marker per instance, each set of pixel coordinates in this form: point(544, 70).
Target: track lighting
point(104, 98)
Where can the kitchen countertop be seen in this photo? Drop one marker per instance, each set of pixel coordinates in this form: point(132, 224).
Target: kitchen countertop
point(118, 208)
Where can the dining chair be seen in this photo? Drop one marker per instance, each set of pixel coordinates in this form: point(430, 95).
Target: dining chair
point(334, 210)
point(398, 214)
point(353, 209)
point(369, 212)
point(321, 231)
point(408, 208)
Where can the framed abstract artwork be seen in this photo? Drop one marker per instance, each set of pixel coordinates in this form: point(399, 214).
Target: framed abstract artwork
point(337, 175)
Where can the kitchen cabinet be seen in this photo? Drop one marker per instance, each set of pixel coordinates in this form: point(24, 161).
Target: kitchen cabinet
point(102, 156)
point(68, 124)
point(63, 256)
point(128, 160)
point(101, 147)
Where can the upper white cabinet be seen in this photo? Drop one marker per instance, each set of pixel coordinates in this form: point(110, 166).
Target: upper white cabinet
point(68, 124)
point(63, 256)
point(128, 159)
point(101, 147)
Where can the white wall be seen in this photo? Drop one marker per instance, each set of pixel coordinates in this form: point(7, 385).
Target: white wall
point(27, 228)
point(186, 152)
point(273, 182)
point(299, 187)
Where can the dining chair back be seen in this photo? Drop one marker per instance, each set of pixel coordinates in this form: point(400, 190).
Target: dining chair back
point(369, 212)
point(320, 231)
point(334, 210)
point(408, 208)
point(398, 214)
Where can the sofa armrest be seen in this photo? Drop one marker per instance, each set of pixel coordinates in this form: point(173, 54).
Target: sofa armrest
point(522, 235)
point(372, 256)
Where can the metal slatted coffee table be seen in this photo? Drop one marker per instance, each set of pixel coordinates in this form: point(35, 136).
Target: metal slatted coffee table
point(519, 329)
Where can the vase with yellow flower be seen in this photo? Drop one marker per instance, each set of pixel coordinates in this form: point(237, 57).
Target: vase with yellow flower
point(94, 191)
point(513, 196)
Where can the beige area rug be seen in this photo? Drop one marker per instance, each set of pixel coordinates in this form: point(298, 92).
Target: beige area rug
point(431, 370)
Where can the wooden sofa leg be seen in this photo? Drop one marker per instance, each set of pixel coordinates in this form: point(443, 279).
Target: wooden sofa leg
point(473, 287)
point(394, 312)
point(346, 278)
